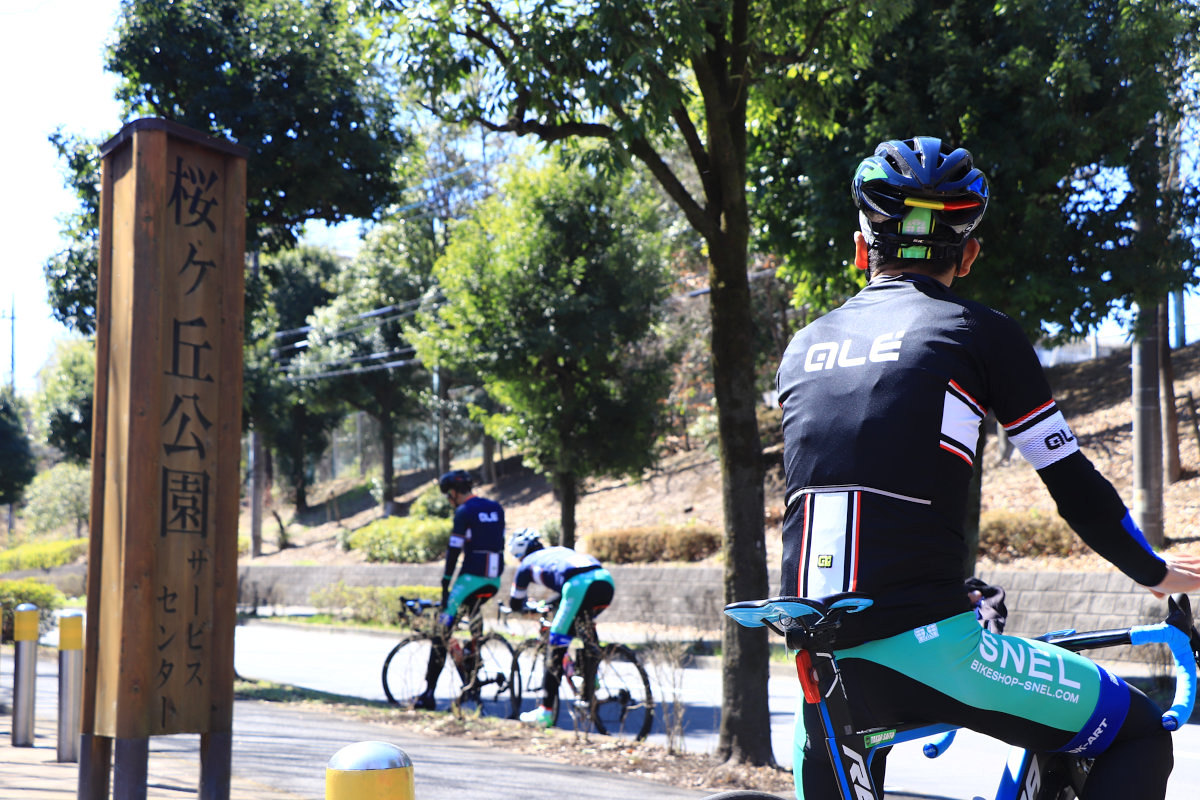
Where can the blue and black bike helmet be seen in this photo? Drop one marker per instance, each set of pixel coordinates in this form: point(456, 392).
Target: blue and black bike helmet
point(918, 198)
point(455, 479)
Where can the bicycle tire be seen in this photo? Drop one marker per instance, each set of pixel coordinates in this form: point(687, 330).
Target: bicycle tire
point(739, 794)
point(493, 688)
point(404, 669)
point(621, 702)
point(531, 661)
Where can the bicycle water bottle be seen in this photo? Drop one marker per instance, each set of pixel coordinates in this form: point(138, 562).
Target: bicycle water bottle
point(568, 666)
point(456, 652)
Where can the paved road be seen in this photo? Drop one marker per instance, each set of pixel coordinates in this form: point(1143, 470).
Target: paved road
point(287, 749)
point(348, 663)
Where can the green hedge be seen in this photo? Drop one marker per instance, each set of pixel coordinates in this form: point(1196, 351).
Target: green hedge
point(47, 598)
point(655, 543)
point(402, 539)
point(369, 604)
point(43, 555)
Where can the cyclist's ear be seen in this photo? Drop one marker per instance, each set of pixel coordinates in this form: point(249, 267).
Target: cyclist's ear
point(860, 250)
point(969, 254)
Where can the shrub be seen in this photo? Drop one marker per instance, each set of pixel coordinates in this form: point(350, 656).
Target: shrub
point(43, 555)
point(47, 598)
point(1006, 535)
point(402, 539)
point(370, 604)
point(660, 543)
point(431, 504)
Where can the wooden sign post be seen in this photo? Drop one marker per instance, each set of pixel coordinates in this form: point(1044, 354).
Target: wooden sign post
point(162, 568)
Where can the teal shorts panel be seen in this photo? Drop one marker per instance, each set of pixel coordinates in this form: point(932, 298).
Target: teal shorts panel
point(465, 586)
point(1022, 677)
point(573, 592)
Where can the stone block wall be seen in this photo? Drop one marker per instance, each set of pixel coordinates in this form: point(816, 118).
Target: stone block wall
point(682, 596)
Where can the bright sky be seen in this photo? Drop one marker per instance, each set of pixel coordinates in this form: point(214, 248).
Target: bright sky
point(51, 57)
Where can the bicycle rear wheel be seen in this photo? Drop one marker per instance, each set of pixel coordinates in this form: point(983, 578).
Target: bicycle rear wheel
point(404, 672)
point(531, 661)
point(621, 704)
point(492, 684)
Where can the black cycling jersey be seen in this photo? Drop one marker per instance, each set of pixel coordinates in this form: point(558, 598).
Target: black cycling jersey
point(479, 533)
point(552, 567)
point(883, 399)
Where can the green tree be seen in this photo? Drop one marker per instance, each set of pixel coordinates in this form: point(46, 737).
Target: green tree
point(58, 497)
point(552, 290)
point(1053, 100)
point(294, 81)
point(63, 402)
point(296, 420)
point(17, 463)
point(650, 79)
point(357, 350)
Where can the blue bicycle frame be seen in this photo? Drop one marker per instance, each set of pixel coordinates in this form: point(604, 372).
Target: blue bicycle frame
point(810, 627)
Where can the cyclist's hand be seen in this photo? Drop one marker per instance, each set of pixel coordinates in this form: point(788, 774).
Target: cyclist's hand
point(1183, 575)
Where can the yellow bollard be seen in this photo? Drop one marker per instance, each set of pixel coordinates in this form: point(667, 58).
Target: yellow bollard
point(25, 636)
point(25, 623)
point(70, 684)
point(369, 771)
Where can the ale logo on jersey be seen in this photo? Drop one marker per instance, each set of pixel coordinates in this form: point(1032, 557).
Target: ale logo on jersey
point(828, 355)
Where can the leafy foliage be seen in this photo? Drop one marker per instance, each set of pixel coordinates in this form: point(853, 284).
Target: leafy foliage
point(63, 403)
point(550, 297)
point(43, 555)
point(402, 539)
point(1054, 101)
point(47, 598)
point(292, 80)
point(59, 497)
point(380, 605)
point(17, 463)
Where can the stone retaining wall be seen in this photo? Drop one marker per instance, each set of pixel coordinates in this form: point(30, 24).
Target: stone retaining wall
point(681, 596)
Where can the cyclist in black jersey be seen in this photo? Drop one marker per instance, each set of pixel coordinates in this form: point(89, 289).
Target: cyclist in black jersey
point(478, 535)
point(882, 401)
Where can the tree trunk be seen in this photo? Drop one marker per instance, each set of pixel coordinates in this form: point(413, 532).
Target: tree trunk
point(443, 438)
point(1147, 430)
point(488, 467)
point(568, 497)
point(257, 474)
point(745, 716)
point(1172, 469)
point(387, 455)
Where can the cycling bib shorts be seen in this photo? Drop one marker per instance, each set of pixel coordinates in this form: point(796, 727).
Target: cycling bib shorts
point(574, 591)
point(464, 587)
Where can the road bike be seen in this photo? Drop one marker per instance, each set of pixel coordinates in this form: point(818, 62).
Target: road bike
point(604, 685)
point(811, 626)
point(484, 678)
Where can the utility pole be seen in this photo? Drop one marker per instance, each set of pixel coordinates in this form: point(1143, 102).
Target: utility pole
point(12, 380)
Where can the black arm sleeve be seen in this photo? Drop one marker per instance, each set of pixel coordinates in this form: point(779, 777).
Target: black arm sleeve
point(451, 560)
point(1094, 510)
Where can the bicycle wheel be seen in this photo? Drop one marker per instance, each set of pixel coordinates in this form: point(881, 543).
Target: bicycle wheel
point(621, 704)
point(492, 684)
point(531, 661)
point(742, 795)
point(404, 672)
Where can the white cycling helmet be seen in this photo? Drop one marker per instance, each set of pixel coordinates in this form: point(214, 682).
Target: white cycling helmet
point(523, 542)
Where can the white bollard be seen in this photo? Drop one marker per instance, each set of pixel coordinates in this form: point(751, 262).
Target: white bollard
point(369, 771)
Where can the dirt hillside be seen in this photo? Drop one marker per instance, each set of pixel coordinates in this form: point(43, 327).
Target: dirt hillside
point(686, 486)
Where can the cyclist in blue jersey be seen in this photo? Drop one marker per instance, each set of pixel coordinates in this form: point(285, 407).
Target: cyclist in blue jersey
point(582, 584)
point(478, 536)
point(882, 402)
